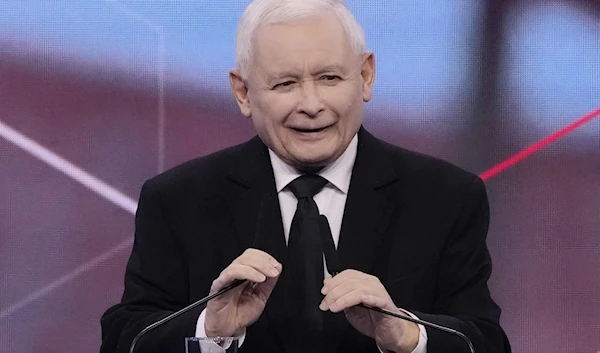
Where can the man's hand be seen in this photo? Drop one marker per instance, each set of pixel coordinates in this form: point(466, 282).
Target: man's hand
point(228, 314)
point(350, 288)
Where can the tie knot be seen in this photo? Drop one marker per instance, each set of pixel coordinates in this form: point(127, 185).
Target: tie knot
point(307, 185)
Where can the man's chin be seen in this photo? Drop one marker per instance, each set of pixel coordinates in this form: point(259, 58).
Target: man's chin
point(312, 164)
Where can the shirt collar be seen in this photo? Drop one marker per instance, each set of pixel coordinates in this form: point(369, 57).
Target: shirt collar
point(337, 173)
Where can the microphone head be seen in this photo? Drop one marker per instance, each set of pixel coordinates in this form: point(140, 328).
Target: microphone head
point(331, 257)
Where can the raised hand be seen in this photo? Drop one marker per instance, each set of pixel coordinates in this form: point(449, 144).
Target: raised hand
point(230, 313)
point(350, 288)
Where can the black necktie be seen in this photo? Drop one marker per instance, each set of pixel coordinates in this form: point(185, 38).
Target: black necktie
point(306, 263)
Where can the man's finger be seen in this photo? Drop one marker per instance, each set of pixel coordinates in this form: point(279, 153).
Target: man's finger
point(234, 272)
point(348, 275)
point(335, 283)
point(253, 255)
point(261, 261)
point(346, 300)
point(265, 288)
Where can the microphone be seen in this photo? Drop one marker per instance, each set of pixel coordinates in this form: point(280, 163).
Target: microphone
point(259, 242)
point(334, 267)
point(204, 300)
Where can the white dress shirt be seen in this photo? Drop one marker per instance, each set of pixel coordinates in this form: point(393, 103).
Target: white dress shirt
point(331, 201)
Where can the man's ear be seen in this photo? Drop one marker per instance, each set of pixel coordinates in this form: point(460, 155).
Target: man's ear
point(240, 91)
point(368, 75)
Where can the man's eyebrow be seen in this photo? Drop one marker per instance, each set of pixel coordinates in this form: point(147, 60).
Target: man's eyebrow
point(330, 68)
point(326, 69)
point(279, 75)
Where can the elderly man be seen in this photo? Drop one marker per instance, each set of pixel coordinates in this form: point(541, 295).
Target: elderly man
point(410, 230)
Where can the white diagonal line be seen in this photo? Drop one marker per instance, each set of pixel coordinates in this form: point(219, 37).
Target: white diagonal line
point(69, 169)
point(162, 116)
point(158, 30)
point(86, 179)
point(79, 270)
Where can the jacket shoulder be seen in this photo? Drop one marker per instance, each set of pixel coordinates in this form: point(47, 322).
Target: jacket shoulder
point(205, 172)
point(418, 168)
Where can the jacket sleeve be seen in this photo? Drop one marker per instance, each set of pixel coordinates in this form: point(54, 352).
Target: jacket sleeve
point(156, 285)
point(462, 299)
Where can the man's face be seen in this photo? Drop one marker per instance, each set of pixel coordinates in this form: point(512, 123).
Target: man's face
point(305, 90)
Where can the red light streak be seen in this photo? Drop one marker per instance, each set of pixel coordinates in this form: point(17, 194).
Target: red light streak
point(518, 157)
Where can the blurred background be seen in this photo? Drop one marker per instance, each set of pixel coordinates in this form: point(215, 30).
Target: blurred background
point(98, 96)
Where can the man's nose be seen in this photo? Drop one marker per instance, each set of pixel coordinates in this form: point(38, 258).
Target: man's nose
point(310, 102)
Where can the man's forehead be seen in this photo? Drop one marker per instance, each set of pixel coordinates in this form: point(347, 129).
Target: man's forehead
point(301, 48)
point(301, 62)
point(321, 32)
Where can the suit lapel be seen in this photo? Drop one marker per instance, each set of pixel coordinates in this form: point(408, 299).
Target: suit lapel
point(368, 211)
point(255, 206)
point(366, 215)
point(257, 219)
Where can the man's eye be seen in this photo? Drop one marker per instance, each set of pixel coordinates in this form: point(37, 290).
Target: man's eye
point(284, 84)
point(330, 78)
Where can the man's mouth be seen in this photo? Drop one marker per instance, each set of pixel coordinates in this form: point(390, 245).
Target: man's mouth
point(309, 130)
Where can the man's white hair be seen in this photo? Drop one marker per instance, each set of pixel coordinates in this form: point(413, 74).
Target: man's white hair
point(268, 12)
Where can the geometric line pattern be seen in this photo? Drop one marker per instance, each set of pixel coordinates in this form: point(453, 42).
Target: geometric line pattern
point(78, 271)
point(67, 168)
point(87, 180)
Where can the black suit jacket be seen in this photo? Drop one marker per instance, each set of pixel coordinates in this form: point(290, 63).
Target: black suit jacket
point(417, 223)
